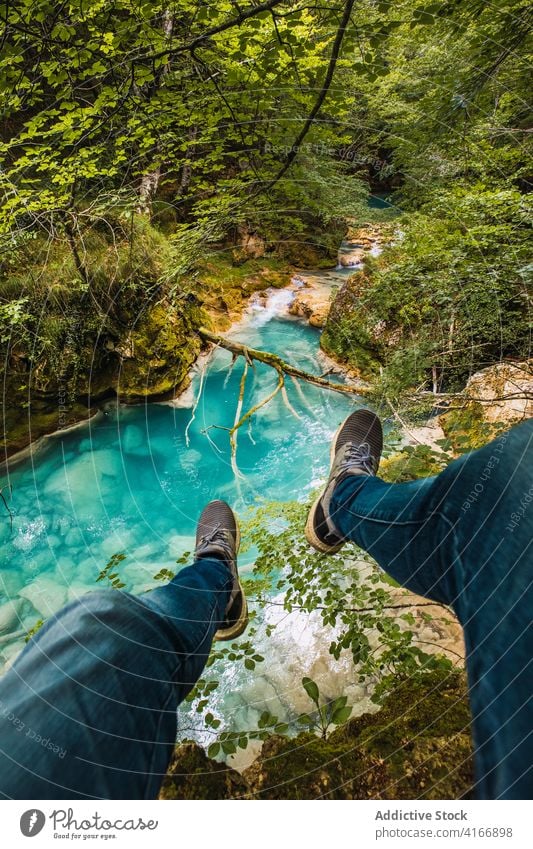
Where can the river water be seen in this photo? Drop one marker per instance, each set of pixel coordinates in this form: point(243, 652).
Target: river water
point(135, 479)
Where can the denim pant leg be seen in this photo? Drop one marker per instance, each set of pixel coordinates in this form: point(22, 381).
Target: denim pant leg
point(464, 538)
point(88, 709)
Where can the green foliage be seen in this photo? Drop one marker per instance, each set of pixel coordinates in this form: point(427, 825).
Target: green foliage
point(414, 461)
point(351, 598)
point(332, 713)
point(164, 575)
point(450, 297)
point(33, 630)
point(107, 573)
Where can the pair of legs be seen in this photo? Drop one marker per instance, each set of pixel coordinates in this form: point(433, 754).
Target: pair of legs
point(88, 710)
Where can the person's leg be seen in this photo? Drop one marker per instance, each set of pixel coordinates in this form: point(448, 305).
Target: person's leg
point(464, 538)
point(88, 710)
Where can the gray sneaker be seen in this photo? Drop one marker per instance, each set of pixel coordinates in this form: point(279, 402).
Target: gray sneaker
point(355, 450)
point(217, 535)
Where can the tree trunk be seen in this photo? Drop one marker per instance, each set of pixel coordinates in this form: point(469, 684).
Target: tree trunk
point(150, 180)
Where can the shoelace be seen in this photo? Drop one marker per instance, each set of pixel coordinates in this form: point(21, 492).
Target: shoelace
point(357, 453)
point(219, 536)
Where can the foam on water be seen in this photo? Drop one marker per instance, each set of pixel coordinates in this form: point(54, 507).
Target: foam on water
point(277, 303)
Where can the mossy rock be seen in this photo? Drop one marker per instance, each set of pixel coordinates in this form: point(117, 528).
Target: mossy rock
point(192, 775)
point(416, 747)
point(26, 422)
point(338, 342)
point(467, 428)
point(411, 463)
point(346, 338)
point(161, 349)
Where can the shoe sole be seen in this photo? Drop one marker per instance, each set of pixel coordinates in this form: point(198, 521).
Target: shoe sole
point(309, 531)
point(241, 624)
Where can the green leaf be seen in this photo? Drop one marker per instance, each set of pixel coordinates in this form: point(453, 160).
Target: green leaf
point(311, 689)
point(338, 703)
point(341, 715)
point(213, 750)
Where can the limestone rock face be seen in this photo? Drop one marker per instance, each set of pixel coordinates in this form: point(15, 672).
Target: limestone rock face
point(251, 246)
point(494, 399)
point(499, 381)
point(312, 304)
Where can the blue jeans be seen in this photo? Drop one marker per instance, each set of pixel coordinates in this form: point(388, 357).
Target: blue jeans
point(464, 538)
point(88, 710)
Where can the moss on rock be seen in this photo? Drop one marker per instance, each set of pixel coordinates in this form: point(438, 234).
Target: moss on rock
point(416, 747)
point(158, 352)
point(345, 336)
point(225, 287)
point(192, 775)
point(465, 427)
point(411, 463)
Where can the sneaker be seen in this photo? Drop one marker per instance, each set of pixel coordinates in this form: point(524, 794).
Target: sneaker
point(217, 535)
point(355, 450)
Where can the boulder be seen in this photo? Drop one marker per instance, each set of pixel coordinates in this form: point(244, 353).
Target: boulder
point(192, 775)
point(46, 595)
point(133, 440)
point(311, 304)
point(416, 747)
point(10, 615)
point(494, 399)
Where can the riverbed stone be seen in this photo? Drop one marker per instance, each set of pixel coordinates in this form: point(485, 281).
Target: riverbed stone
point(11, 581)
point(74, 538)
point(120, 540)
point(133, 440)
point(77, 589)
point(139, 573)
point(11, 651)
point(10, 615)
point(46, 595)
point(85, 474)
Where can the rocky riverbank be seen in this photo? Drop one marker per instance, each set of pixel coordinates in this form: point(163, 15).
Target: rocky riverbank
point(316, 293)
point(146, 357)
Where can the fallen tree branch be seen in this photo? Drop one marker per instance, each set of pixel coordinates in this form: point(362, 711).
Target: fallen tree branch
point(274, 362)
point(402, 423)
point(195, 404)
point(512, 396)
point(235, 429)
